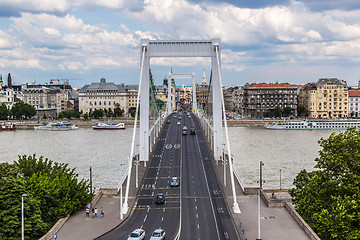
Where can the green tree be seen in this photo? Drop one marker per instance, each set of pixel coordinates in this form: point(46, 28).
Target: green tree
point(57, 187)
point(118, 112)
point(287, 111)
point(277, 111)
point(61, 115)
point(4, 112)
point(329, 198)
point(23, 109)
point(97, 113)
point(12, 186)
point(301, 111)
point(86, 116)
point(44, 116)
point(71, 113)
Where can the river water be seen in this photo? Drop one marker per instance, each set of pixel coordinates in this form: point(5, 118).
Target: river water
point(106, 152)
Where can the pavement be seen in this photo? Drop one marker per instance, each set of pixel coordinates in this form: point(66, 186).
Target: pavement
point(78, 226)
point(275, 223)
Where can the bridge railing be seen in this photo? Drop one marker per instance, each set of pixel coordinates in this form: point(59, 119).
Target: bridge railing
point(206, 126)
point(155, 130)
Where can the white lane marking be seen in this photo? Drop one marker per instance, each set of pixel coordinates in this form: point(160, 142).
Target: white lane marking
point(164, 210)
point(195, 200)
point(197, 215)
point(148, 209)
point(162, 219)
point(152, 194)
point(226, 235)
point(198, 226)
point(196, 207)
point(145, 218)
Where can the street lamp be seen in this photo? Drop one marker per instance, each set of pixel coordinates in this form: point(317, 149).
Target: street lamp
point(22, 216)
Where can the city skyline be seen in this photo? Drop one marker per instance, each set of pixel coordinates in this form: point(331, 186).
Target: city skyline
point(282, 41)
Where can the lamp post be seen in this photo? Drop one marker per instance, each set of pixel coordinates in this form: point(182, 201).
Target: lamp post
point(91, 190)
point(224, 162)
point(280, 178)
point(22, 216)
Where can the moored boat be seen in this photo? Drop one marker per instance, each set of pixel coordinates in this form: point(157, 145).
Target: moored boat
point(314, 124)
point(107, 126)
point(58, 126)
point(7, 126)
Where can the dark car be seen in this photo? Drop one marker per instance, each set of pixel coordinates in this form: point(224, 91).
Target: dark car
point(160, 198)
point(168, 121)
point(192, 131)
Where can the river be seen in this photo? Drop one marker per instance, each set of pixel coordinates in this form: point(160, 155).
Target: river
point(106, 152)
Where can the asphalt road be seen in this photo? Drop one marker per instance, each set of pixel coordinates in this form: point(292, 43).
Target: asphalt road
point(201, 210)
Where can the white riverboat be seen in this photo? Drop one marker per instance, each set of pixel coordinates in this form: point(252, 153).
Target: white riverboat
point(108, 126)
point(314, 124)
point(58, 126)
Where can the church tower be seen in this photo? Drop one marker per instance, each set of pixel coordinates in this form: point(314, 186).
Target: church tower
point(203, 82)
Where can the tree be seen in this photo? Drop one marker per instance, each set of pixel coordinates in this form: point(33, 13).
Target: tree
point(23, 109)
point(86, 116)
point(71, 113)
point(61, 115)
point(118, 112)
point(56, 186)
point(301, 111)
point(287, 111)
point(12, 186)
point(97, 113)
point(277, 111)
point(4, 112)
point(44, 116)
point(329, 198)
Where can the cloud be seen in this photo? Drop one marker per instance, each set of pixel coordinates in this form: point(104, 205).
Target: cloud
point(244, 3)
point(130, 5)
point(319, 6)
point(16, 7)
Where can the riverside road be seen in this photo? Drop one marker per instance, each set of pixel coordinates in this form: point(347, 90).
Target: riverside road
point(194, 210)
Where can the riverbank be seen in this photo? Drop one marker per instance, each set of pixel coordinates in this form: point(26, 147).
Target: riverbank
point(25, 124)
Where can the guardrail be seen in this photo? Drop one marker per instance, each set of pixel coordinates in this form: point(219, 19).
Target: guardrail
point(237, 176)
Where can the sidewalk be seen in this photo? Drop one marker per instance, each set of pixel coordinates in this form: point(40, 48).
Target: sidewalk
point(78, 226)
point(276, 223)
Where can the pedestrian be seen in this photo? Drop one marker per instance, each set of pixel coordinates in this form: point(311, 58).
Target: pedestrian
point(96, 212)
point(87, 212)
point(92, 211)
point(88, 206)
point(102, 212)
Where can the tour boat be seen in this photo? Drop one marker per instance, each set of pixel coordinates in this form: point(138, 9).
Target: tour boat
point(7, 126)
point(314, 124)
point(107, 126)
point(58, 126)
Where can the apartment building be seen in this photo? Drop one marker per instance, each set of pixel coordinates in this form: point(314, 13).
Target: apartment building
point(261, 99)
point(327, 98)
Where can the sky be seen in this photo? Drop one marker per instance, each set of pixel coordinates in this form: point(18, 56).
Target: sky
point(261, 41)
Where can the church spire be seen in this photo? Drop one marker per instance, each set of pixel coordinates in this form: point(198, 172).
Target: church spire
point(203, 78)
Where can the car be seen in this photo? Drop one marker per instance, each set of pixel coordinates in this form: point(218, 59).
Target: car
point(192, 131)
point(168, 121)
point(160, 198)
point(175, 116)
point(178, 123)
point(158, 234)
point(174, 182)
point(184, 127)
point(137, 234)
point(179, 118)
point(189, 117)
point(184, 132)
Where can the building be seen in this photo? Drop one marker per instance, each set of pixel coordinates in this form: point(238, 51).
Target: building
point(184, 97)
point(204, 95)
point(354, 103)
point(238, 100)
point(46, 100)
point(261, 99)
point(105, 95)
point(229, 97)
point(327, 98)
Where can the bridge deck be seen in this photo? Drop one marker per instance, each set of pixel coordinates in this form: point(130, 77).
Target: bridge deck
point(196, 200)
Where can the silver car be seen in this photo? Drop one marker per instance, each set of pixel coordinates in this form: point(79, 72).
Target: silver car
point(137, 234)
point(159, 234)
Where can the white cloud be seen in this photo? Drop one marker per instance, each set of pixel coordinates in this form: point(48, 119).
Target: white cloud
point(18, 6)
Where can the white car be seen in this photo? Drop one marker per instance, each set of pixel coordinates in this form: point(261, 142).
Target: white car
point(178, 123)
point(159, 234)
point(137, 234)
